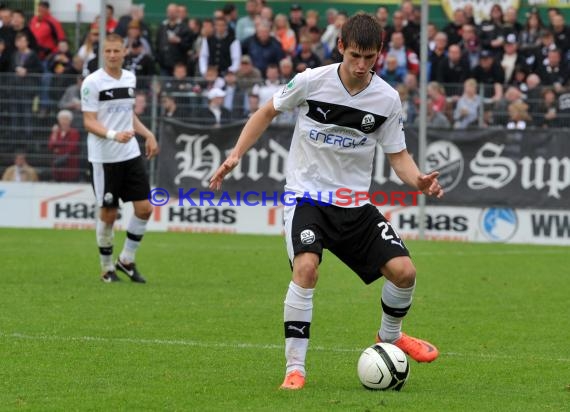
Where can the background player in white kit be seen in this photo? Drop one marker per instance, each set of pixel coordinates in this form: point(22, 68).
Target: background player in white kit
point(118, 169)
point(345, 110)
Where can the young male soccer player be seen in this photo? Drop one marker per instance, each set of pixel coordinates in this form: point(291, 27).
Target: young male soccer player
point(345, 109)
point(118, 170)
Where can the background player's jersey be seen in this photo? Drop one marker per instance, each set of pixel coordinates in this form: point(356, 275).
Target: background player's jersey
point(336, 134)
point(113, 100)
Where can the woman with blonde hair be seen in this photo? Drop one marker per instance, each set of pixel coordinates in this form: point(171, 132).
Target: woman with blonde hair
point(283, 32)
point(467, 109)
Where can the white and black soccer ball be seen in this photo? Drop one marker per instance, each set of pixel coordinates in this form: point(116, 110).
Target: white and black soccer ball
point(383, 366)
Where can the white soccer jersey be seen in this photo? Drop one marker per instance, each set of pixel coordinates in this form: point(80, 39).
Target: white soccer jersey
point(113, 100)
point(336, 134)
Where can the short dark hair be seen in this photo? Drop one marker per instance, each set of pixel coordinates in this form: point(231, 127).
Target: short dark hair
point(44, 4)
point(362, 31)
point(110, 8)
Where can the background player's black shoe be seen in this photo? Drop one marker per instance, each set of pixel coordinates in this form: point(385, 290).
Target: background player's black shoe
point(110, 276)
point(131, 271)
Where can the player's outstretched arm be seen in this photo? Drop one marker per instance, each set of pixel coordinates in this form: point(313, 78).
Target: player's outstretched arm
point(407, 170)
point(250, 133)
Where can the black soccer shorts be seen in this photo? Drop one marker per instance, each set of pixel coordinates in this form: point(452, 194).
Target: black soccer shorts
point(126, 180)
point(361, 237)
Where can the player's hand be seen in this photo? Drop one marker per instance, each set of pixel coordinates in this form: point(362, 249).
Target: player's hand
point(429, 185)
point(124, 137)
point(229, 164)
point(151, 147)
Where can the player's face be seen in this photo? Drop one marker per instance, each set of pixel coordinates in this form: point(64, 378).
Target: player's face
point(358, 62)
point(114, 54)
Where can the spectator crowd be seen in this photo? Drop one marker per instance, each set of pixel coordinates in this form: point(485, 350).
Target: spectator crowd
point(507, 71)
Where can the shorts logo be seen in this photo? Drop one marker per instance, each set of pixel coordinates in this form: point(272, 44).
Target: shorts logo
point(367, 122)
point(307, 237)
point(108, 198)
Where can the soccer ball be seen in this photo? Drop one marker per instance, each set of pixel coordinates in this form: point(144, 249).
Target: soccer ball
point(383, 366)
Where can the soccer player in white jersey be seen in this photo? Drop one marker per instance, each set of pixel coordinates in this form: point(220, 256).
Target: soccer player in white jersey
point(345, 110)
point(117, 167)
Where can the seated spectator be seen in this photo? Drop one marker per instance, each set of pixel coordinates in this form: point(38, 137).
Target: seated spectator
point(436, 95)
point(561, 33)
point(172, 41)
point(491, 30)
point(4, 58)
point(245, 26)
point(407, 58)
point(18, 25)
point(409, 109)
point(212, 79)
point(134, 33)
point(563, 106)
point(533, 91)
point(64, 144)
point(519, 78)
point(436, 56)
point(136, 14)
point(248, 75)
point(20, 171)
point(466, 111)
point(491, 75)
point(215, 114)
point(305, 57)
point(454, 28)
point(453, 69)
point(519, 118)
point(511, 57)
point(71, 101)
point(511, 25)
point(469, 44)
point(284, 34)
point(547, 112)
point(89, 48)
point(555, 71)
point(141, 108)
point(179, 82)
point(529, 40)
point(221, 49)
point(235, 97)
point(332, 32)
point(252, 104)
point(501, 108)
point(391, 73)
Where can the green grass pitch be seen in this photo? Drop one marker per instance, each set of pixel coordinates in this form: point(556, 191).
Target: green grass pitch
point(206, 332)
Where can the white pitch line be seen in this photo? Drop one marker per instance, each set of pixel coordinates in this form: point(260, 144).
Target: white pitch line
point(238, 345)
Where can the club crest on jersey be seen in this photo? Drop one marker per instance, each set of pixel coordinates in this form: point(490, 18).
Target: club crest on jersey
point(131, 92)
point(307, 237)
point(367, 122)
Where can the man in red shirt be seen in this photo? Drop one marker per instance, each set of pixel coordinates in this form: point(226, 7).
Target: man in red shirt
point(47, 30)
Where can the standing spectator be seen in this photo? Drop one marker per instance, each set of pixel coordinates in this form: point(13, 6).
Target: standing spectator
point(491, 75)
point(269, 86)
point(511, 25)
point(4, 61)
point(469, 11)
point(466, 111)
point(245, 26)
point(248, 75)
point(235, 98)
point(397, 25)
point(331, 32)
point(511, 57)
point(222, 49)
point(529, 40)
point(547, 112)
point(436, 94)
point(71, 101)
point(305, 57)
point(136, 13)
point(179, 82)
point(311, 21)
point(141, 64)
point(134, 33)
point(533, 91)
point(391, 73)
point(296, 19)
point(411, 28)
point(409, 110)
point(436, 55)
point(453, 69)
point(262, 48)
point(172, 109)
point(20, 171)
point(407, 59)
point(252, 104)
point(382, 15)
point(64, 144)
point(470, 45)
point(231, 16)
point(319, 47)
point(88, 50)
point(18, 25)
point(266, 13)
point(434, 119)
point(47, 30)
point(491, 30)
point(331, 36)
point(111, 23)
point(454, 28)
point(286, 70)
point(561, 33)
point(172, 41)
point(555, 72)
point(58, 64)
point(27, 66)
point(284, 34)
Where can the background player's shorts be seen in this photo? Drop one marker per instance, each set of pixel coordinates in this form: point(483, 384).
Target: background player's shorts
point(360, 236)
point(126, 180)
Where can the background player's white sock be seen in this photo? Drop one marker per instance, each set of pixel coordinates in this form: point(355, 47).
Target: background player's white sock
point(105, 236)
point(395, 304)
point(298, 313)
point(135, 232)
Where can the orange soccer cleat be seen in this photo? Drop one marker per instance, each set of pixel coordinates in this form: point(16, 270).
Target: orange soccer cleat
point(417, 349)
point(293, 380)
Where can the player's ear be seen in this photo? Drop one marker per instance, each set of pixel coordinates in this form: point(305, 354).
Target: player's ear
point(340, 46)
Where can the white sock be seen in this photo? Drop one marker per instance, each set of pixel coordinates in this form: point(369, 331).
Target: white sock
point(395, 304)
point(105, 236)
point(297, 315)
point(135, 232)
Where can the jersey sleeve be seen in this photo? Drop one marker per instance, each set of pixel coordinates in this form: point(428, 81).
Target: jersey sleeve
point(89, 96)
point(392, 137)
point(293, 93)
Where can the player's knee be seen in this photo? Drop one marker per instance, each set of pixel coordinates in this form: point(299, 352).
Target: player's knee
point(305, 272)
point(405, 277)
point(144, 211)
point(108, 215)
